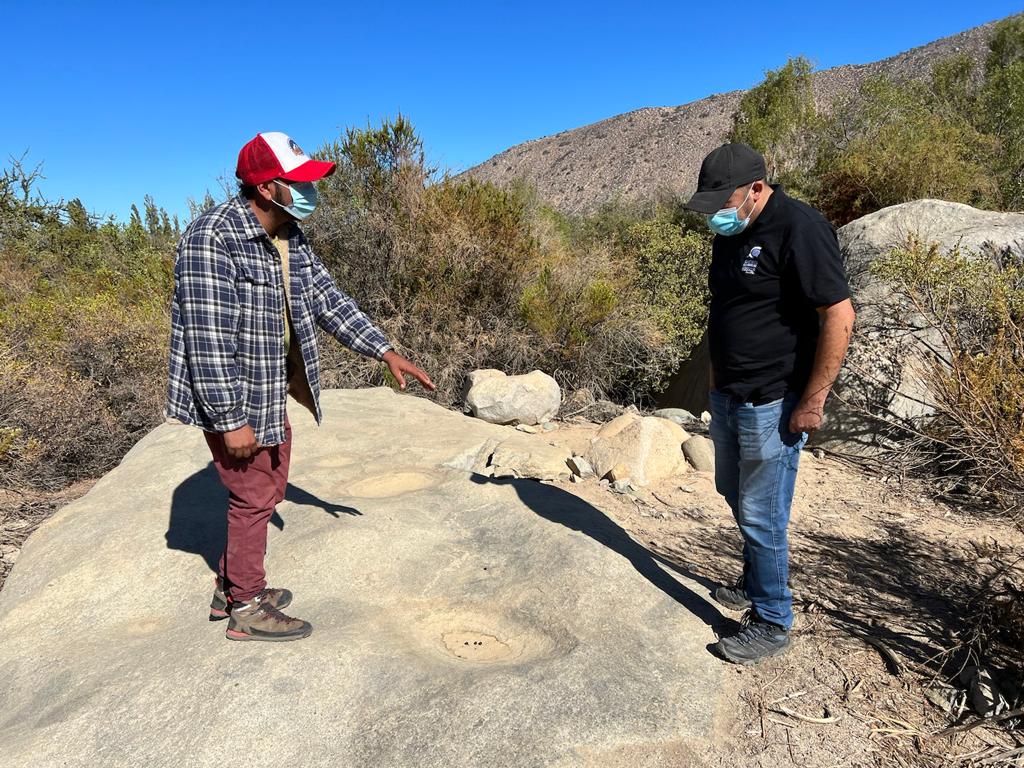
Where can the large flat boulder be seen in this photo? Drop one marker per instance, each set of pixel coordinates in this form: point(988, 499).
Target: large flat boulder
point(460, 620)
point(885, 378)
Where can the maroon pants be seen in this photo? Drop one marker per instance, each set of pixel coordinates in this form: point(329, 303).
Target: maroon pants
point(255, 487)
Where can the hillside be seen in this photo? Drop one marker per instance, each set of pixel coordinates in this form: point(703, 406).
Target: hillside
point(640, 153)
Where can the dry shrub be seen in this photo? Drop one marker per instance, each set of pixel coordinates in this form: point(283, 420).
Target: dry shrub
point(56, 428)
point(84, 328)
point(974, 434)
point(467, 275)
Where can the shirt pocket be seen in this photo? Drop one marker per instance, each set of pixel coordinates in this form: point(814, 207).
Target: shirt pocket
point(252, 272)
point(259, 298)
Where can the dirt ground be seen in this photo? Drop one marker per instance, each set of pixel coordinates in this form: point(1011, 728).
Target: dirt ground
point(883, 578)
point(869, 559)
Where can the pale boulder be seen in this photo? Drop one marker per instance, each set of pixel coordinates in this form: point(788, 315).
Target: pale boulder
point(532, 398)
point(700, 452)
point(643, 448)
point(530, 458)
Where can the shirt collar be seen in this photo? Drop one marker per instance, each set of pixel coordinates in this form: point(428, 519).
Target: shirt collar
point(250, 224)
point(771, 206)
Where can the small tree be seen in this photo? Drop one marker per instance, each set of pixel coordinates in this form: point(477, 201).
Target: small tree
point(778, 119)
point(1003, 113)
point(888, 144)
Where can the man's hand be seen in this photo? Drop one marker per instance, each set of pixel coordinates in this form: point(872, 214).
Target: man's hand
point(399, 366)
point(241, 443)
point(806, 417)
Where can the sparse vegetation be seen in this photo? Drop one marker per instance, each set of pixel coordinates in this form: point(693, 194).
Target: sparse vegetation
point(956, 137)
point(467, 275)
point(974, 438)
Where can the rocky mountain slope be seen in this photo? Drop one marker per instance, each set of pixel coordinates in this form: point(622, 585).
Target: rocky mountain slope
point(655, 149)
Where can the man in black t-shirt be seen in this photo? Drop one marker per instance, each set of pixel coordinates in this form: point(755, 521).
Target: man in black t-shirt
point(778, 329)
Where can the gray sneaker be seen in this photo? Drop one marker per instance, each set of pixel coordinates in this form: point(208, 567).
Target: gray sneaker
point(258, 619)
point(734, 598)
point(220, 605)
point(756, 639)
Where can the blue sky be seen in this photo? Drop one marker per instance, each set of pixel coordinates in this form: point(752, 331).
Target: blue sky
point(120, 100)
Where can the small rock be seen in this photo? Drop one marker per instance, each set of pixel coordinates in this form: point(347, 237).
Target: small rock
point(580, 466)
point(700, 452)
point(577, 403)
point(549, 426)
point(605, 482)
point(528, 428)
point(622, 486)
point(680, 416)
point(686, 488)
point(532, 398)
point(705, 417)
point(986, 697)
point(604, 410)
point(530, 458)
point(818, 454)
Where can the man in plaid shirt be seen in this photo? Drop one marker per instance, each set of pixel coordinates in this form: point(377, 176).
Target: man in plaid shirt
point(248, 295)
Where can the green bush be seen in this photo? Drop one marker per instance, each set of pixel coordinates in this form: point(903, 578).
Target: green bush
point(1002, 112)
point(83, 334)
point(958, 136)
point(778, 118)
point(468, 275)
point(888, 144)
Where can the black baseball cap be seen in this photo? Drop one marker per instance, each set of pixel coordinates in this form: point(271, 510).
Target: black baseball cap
point(723, 171)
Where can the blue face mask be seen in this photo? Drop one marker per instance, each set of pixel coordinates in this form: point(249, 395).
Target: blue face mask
point(304, 198)
point(727, 221)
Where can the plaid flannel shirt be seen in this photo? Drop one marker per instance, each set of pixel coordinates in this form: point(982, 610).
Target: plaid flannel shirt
point(227, 361)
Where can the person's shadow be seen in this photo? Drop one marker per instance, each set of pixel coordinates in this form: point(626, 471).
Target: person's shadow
point(198, 521)
point(564, 508)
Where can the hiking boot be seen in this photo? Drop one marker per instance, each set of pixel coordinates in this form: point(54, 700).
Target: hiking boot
point(220, 606)
point(757, 639)
point(259, 619)
point(734, 598)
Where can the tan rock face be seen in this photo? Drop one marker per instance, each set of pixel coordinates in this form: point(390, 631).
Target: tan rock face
point(700, 452)
point(459, 620)
point(530, 458)
point(642, 448)
point(533, 398)
point(886, 369)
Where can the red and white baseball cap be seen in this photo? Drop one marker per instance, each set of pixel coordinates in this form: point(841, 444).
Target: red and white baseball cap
point(275, 155)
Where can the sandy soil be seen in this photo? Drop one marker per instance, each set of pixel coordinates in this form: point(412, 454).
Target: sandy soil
point(870, 559)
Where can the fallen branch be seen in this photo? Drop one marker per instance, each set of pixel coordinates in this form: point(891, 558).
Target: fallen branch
point(982, 721)
point(806, 718)
point(892, 661)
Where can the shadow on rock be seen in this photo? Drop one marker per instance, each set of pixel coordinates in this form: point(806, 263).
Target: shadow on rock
point(198, 521)
point(564, 508)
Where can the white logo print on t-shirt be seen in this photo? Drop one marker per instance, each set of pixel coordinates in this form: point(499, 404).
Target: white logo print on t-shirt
point(750, 262)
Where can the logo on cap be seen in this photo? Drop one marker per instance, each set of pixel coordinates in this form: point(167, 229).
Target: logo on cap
point(295, 147)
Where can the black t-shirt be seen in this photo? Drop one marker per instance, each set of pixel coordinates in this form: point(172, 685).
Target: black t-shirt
point(766, 285)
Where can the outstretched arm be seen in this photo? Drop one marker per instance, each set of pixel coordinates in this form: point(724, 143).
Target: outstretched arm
point(340, 316)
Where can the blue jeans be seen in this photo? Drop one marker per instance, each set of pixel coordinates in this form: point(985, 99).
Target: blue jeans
point(756, 459)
